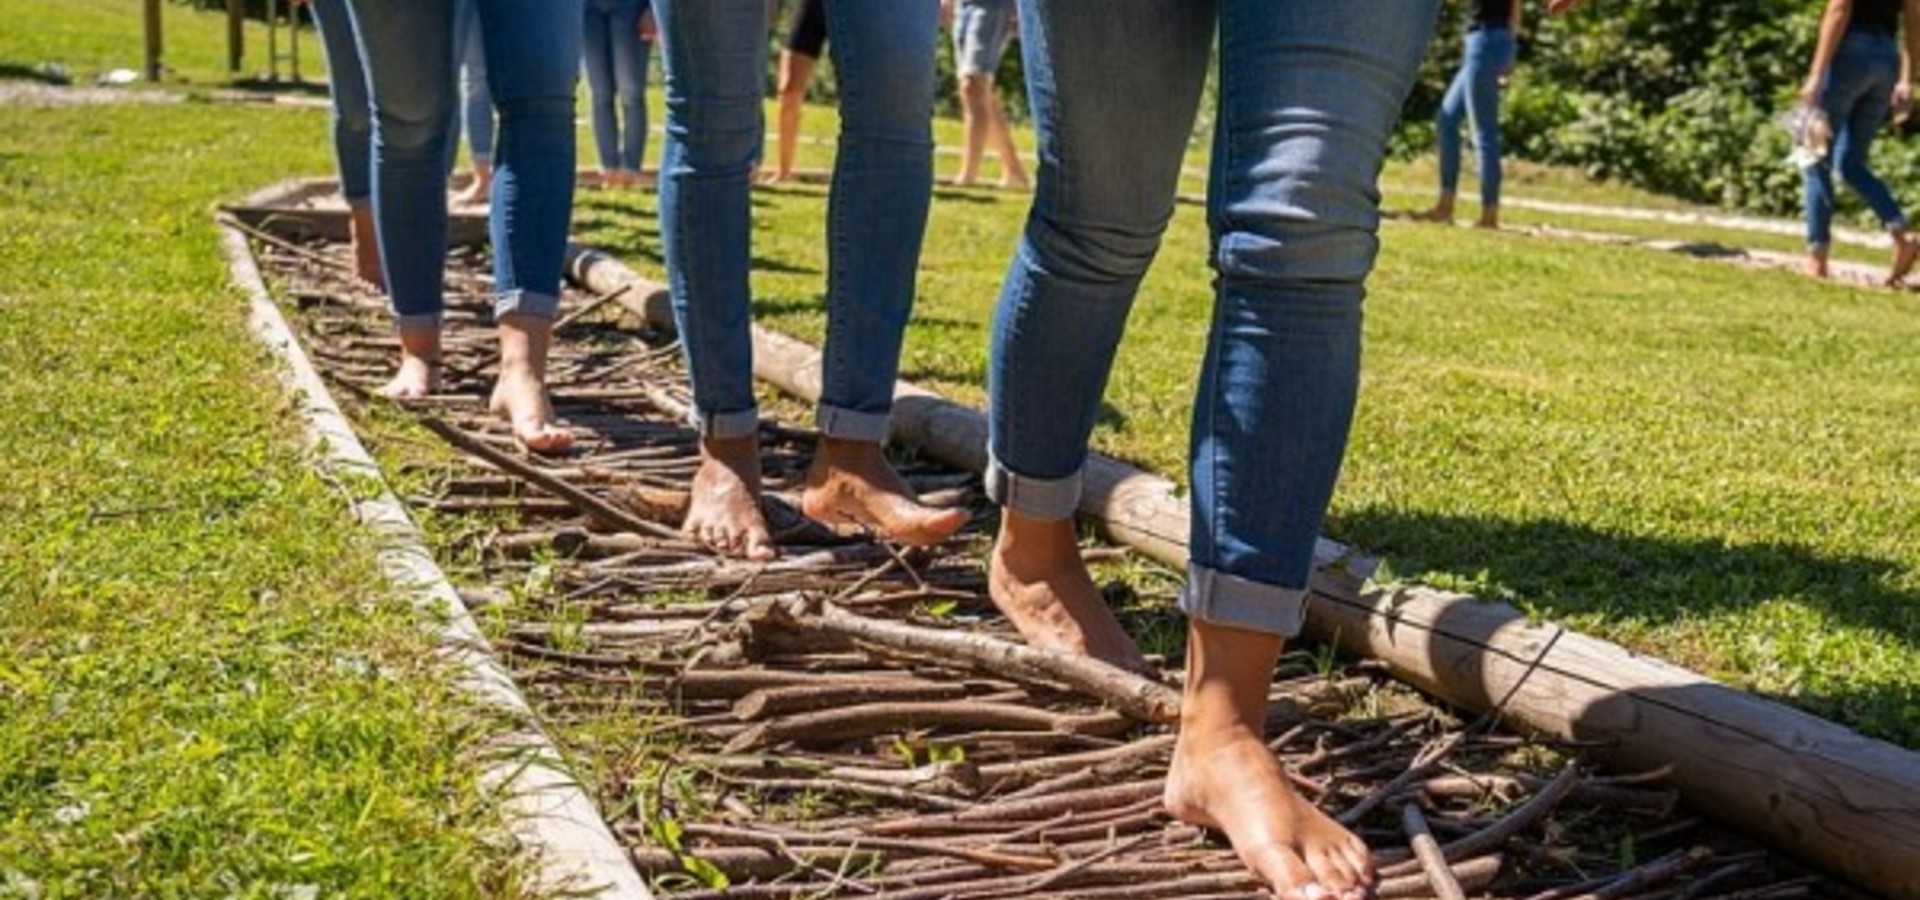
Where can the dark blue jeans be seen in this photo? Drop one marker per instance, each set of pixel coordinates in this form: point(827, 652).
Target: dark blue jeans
point(615, 60)
point(1857, 97)
point(1309, 93)
point(409, 49)
point(716, 64)
point(1475, 96)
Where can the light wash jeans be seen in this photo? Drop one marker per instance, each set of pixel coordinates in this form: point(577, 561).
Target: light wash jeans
point(615, 60)
point(1475, 96)
point(476, 107)
point(716, 65)
point(352, 124)
point(1857, 97)
point(981, 31)
point(533, 48)
point(1309, 93)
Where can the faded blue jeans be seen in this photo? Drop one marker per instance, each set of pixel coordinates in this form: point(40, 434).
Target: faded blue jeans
point(1475, 96)
point(1857, 97)
point(352, 124)
point(1309, 93)
point(533, 51)
point(716, 70)
point(476, 103)
point(615, 60)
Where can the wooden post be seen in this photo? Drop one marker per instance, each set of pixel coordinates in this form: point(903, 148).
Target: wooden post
point(1846, 802)
point(236, 34)
point(153, 40)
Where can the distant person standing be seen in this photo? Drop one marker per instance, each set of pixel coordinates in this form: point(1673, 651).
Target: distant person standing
point(352, 131)
point(981, 31)
point(806, 39)
point(615, 45)
point(476, 107)
point(1861, 72)
point(1492, 29)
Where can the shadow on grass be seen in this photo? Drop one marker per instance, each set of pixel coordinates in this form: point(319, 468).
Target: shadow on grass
point(1557, 570)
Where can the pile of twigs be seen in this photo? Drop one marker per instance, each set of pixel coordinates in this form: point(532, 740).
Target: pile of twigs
point(851, 720)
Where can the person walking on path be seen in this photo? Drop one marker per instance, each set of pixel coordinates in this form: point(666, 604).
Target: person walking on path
point(1862, 70)
point(876, 220)
point(476, 108)
point(410, 55)
point(351, 128)
point(800, 52)
point(1493, 29)
point(616, 43)
point(981, 31)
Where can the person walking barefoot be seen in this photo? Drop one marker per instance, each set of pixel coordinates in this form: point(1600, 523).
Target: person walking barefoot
point(1493, 27)
point(800, 53)
point(1309, 93)
point(1862, 70)
point(981, 31)
point(351, 127)
point(876, 220)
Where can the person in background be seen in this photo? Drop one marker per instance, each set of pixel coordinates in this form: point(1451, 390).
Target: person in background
point(616, 45)
point(1862, 69)
point(476, 109)
point(981, 31)
point(352, 130)
point(409, 51)
point(1493, 28)
point(800, 52)
point(876, 220)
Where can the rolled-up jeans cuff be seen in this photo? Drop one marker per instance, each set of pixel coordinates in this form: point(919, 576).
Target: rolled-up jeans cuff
point(416, 321)
point(526, 303)
point(1896, 225)
point(726, 425)
point(851, 425)
point(1217, 598)
point(1037, 498)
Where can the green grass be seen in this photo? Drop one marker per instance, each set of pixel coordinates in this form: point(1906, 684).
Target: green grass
point(207, 690)
point(94, 36)
point(1706, 463)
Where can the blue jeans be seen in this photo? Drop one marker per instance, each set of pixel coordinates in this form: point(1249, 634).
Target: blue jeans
point(981, 31)
point(1309, 93)
point(615, 60)
point(532, 47)
point(476, 109)
point(1857, 97)
point(716, 64)
point(352, 111)
point(1475, 95)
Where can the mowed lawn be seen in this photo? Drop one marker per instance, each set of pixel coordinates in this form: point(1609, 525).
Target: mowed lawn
point(1706, 463)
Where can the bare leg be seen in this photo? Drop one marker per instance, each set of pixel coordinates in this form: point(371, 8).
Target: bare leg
point(975, 90)
point(366, 248)
point(481, 189)
point(724, 512)
point(1038, 580)
point(1905, 249)
point(520, 396)
point(1013, 172)
point(1442, 210)
point(795, 71)
point(419, 373)
point(851, 483)
point(1224, 777)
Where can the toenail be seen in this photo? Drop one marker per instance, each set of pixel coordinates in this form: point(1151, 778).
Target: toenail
point(1312, 890)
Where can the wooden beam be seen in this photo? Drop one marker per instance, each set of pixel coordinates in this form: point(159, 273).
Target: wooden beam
point(1843, 801)
point(236, 34)
point(152, 22)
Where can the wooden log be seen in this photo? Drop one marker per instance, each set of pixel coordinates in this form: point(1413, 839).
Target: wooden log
point(1846, 802)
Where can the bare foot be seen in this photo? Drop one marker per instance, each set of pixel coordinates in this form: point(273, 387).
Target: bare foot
point(1039, 582)
point(723, 513)
point(1228, 780)
point(1489, 219)
point(1905, 249)
point(366, 248)
point(1443, 215)
point(520, 396)
point(1815, 267)
point(1016, 184)
point(850, 483)
point(772, 178)
point(419, 374)
point(1223, 776)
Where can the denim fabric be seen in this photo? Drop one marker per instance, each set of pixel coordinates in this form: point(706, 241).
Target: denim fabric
point(476, 107)
point(615, 60)
point(883, 53)
point(1309, 94)
point(532, 48)
point(981, 31)
point(1475, 95)
point(1857, 97)
point(352, 111)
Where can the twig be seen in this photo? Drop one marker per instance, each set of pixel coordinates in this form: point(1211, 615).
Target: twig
point(1445, 886)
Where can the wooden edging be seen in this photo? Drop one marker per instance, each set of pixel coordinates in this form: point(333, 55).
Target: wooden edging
point(1848, 803)
point(547, 810)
